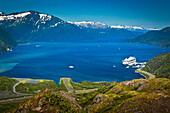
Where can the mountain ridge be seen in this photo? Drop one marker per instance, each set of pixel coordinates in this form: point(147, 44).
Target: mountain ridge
point(161, 38)
point(35, 26)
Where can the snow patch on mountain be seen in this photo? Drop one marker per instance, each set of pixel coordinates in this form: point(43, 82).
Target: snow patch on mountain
point(55, 24)
point(45, 17)
point(2, 13)
point(14, 16)
point(89, 24)
point(132, 28)
point(118, 26)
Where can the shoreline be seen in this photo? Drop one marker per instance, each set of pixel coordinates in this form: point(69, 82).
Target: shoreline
point(146, 74)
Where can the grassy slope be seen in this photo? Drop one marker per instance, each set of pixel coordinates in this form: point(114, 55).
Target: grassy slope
point(7, 107)
point(86, 85)
point(7, 83)
point(5, 41)
point(47, 101)
point(114, 99)
point(159, 65)
point(138, 95)
point(32, 88)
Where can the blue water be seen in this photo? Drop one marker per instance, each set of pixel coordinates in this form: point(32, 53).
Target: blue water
point(92, 61)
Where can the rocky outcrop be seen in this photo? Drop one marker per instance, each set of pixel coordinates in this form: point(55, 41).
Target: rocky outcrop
point(155, 102)
point(48, 101)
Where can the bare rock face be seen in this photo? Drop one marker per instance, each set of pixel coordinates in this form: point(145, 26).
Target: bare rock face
point(116, 90)
point(143, 86)
point(134, 83)
point(126, 83)
point(98, 98)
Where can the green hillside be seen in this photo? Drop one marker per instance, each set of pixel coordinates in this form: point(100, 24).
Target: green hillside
point(159, 65)
point(161, 38)
point(139, 95)
point(6, 41)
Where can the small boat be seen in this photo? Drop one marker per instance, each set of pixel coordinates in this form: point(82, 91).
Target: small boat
point(114, 66)
point(37, 45)
point(71, 67)
point(138, 66)
point(127, 66)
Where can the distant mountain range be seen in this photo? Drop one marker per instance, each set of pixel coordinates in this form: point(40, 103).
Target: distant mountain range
point(6, 42)
point(102, 30)
point(134, 28)
point(161, 37)
point(93, 25)
point(98, 25)
point(36, 26)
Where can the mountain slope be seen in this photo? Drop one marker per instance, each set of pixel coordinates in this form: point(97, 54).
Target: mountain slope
point(159, 65)
point(134, 28)
point(103, 31)
point(94, 25)
point(161, 38)
point(48, 101)
point(35, 26)
point(6, 41)
point(128, 96)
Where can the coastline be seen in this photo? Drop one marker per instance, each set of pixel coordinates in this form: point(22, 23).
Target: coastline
point(147, 75)
point(7, 66)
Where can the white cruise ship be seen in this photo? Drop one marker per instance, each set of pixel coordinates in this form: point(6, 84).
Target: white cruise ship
point(129, 61)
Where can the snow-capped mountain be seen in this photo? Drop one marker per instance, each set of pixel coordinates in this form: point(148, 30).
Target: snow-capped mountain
point(88, 24)
point(102, 30)
point(133, 28)
point(98, 25)
point(36, 26)
point(2, 13)
point(37, 19)
point(33, 26)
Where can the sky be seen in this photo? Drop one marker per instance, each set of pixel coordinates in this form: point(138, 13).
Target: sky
point(145, 13)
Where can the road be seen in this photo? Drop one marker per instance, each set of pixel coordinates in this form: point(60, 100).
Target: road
point(14, 99)
point(14, 89)
point(70, 88)
point(68, 84)
point(85, 91)
point(151, 76)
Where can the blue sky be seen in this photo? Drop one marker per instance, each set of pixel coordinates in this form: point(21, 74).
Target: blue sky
point(146, 13)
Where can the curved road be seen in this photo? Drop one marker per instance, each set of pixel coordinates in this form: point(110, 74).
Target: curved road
point(151, 76)
point(14, 90)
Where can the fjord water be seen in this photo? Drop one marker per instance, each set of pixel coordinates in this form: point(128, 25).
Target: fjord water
point(92, 60)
